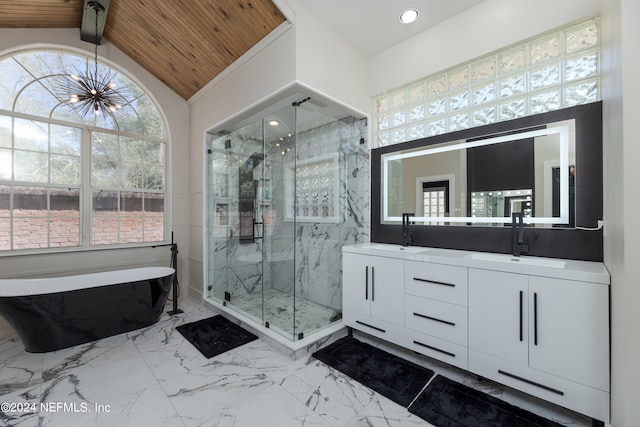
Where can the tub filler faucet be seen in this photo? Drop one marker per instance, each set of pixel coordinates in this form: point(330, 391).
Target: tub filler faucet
point(406, 231)
point(517, 234)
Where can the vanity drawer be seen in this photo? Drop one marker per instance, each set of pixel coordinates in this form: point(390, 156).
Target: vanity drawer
point(436, 318)
point(441, 282)
point(373, 326)
point(446, 351)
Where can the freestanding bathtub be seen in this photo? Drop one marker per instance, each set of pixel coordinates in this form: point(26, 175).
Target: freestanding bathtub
point(54, 313)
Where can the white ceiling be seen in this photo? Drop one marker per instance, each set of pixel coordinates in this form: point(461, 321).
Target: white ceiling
point(373, 26)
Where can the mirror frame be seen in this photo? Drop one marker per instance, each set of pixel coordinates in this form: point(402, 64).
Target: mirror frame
point(567, 243)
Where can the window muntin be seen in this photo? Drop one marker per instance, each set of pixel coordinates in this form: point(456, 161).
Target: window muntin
point(435, 199)
point(128, 183)
point(29, 83)
point(553, 71)
point(51, 159)
point(34, 217)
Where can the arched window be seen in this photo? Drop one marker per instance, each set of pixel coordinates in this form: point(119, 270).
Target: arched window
point(69, 180)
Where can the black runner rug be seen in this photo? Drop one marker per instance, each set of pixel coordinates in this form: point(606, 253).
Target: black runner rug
point(443, 402)
point(391, 376)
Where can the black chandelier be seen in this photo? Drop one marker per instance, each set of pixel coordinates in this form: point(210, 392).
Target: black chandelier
point(92, 91)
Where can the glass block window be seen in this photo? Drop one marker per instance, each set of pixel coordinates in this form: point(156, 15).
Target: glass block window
point(553, 71)
point(435, 199)
point(69, 180)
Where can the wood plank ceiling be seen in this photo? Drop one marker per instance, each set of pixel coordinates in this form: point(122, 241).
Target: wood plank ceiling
point(184, 43)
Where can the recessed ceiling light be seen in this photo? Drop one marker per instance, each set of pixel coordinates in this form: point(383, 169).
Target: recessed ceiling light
point(408, 16)
point(274, 123)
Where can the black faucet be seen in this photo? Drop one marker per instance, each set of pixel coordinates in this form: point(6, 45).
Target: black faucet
point(517, 234)
point(406, 232)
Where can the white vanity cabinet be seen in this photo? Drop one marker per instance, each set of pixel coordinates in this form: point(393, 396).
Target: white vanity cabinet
point(373, 295)
point(538, 325)
point(546, 336)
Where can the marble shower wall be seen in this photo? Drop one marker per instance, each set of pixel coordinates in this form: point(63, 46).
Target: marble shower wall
point(318, 245)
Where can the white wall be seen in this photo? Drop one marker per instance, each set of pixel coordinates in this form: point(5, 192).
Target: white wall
point(621, 65)
point(177, 116)
point(491, 25)
point(329, 64)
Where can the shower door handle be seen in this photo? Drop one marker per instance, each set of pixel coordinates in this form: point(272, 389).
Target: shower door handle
point(256, 230)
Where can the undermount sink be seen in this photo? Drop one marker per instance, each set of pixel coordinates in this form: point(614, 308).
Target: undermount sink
point(397, 248)
point(537, 262)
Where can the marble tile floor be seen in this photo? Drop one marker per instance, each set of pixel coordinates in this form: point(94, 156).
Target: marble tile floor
point(279, 310)
point(154, 377)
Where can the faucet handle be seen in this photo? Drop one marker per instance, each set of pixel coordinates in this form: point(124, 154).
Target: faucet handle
point(406, 234)
point(517, 234)
point(406, 216)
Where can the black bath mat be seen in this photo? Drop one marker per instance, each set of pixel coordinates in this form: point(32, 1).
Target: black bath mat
point(391, 376)
point(446, 403)
point(215, 335)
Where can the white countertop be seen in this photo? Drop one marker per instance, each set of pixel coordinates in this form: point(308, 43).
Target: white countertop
point(587, 271)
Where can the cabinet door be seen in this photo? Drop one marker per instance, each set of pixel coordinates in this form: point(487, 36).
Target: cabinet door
point(355, 283)
point(569, 330)
point(387, 289)
point(498, 314)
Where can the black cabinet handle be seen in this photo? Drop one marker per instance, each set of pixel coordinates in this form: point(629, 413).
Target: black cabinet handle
point(373, 284)
point(434, 282)
point(535, 318)
point(521, 314)
point(434, 348)
point(369, 326)
point(434, 319)
point(366, 282)
point(524, 380)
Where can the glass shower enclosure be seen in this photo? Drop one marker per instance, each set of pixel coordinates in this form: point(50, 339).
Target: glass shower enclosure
point(277, 215)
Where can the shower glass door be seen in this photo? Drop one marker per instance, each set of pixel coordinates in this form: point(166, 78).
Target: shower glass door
point(236, 163)
point(251, 262)
point(279, 236)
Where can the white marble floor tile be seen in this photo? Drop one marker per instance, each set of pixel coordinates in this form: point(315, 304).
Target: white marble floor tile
point(18, 369)
point(87, 356)
point(199, 394)
point(268, 360)
point(382, 412)
point(328, 393)
point(272, 407)
point(103, 385)
point(24, 407)
point(147, 407)
point(170, 361)
point(162, 333)
point(196, 311)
